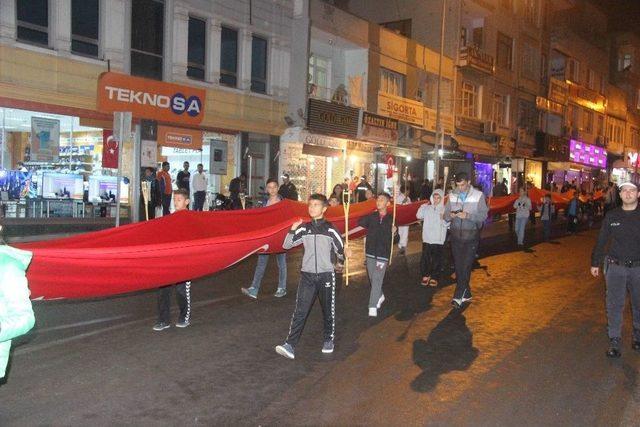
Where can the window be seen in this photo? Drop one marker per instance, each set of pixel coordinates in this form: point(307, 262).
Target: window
point(319, 77)
point(530, 68)
point(505, 52)
point(625, 60)
point(501, 109)
point(33, 21)
point(229, 57)
point(527, 116)
point(196, 48)
point(85, 27)
point(591, 79)
point(258, 65)
point(530, 11)
point(587, 121)
point(573, 70)
point(600, 128)
point(402, 27)
point(615, 130)
point(391, 82)
point(544, 64)
point(147, 38)
point(635, 137)
point(469, 100)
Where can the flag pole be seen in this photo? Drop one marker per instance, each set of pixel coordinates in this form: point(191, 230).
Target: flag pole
point(346, 205)
point(393, 222)
point(145, 197)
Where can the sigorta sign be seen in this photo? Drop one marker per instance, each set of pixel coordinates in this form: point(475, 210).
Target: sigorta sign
point(150, 99)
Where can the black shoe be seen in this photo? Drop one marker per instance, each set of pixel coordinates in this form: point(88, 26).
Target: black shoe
point(614, 348)
point(636, 345)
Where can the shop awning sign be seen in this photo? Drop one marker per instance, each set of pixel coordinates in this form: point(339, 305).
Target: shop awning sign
point(378, 128)
point(189, 139)
point(406, 110)
point(150, 99)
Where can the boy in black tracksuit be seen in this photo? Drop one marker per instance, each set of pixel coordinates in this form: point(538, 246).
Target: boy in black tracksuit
point(320, 238)
point(379, 227)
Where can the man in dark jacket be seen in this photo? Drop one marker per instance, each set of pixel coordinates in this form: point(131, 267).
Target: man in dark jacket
point(288, 190)
point(380, 228)
point(237, 186)
point(361, 190)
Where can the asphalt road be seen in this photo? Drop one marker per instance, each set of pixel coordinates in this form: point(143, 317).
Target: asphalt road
point(528, 351)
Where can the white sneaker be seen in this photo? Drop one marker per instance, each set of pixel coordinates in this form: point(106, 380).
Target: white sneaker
point(463, 299)
point(373, 312)
point(381, 300)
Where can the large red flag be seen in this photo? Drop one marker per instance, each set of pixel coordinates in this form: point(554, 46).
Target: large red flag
point(110, 150)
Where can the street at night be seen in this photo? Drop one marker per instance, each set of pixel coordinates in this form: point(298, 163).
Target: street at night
point(528, 351)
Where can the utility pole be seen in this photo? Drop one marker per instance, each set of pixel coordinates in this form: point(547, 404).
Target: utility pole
point(439, 132)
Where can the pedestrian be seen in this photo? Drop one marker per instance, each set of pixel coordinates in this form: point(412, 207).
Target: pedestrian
point(588, 210)
point(200, 183)
point(522, 205)
point(333, 201)
point(467, 211)
point(263, 259)
point(403, 231)
point(434, 234)
point(183, 290)
point(16, 313)
point(425, 190)
point(617, 251)
point(155, 195)
point(288, 190)
point(320, 239)
point(572, 213)
point(500, 189)
point(165, 187)
point(380, 234)
point(237, 190)
point(547, 211)
point(361, 190)
point(183, 179)
point(337, 192)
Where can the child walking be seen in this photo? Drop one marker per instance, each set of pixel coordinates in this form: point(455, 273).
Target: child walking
point(320, 239)
point(434, 234)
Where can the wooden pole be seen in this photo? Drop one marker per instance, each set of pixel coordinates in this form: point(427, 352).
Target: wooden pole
point(393, 222)
point(346, 205)
point(145, 197)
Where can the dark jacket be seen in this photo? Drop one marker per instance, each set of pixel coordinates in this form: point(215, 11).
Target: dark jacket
point(619, 237)
point(288, 191)
point(378, 244)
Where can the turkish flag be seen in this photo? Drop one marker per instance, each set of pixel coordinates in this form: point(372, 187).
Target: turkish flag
point(391, 165)
point(110, 150)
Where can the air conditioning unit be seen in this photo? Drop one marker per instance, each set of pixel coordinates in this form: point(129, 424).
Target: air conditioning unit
point(490, 127)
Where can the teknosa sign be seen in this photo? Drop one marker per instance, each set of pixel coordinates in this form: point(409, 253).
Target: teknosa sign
point(150, 99)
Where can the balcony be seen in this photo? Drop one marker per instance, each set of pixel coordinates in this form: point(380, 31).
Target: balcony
point(472, 57)
point(551, 147)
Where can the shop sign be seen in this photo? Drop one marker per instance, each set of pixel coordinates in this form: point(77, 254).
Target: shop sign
point(587, 97)
point(558, 91)
point(406, 110)
point(218, 157)
point(446, 120)
point(470, 125)
point(333, 119)
point(474, 57)
point(378, 128)
point(548, 105)
point(189, 139)
point(587, 154)
point(45, 139)
point(150, 99)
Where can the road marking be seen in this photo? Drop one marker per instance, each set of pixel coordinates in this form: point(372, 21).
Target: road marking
point(80, 324)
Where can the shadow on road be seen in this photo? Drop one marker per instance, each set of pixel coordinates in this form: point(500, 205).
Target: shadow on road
point(449, 347)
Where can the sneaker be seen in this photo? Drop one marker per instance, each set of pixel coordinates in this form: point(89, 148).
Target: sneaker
point(328, 346)
point(636, 345)
point(425, 281)
point(250, 292)
point(160, 326)
point(433, 283)
point(380, 301)
point(286, 350)
point(463, 299)
point(456, 302)
point(373, 312)
point(183, 324)
point(280, 293)
point(614, 348)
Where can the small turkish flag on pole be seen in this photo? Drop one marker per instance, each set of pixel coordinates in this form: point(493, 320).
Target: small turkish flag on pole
point(110, 150)
point(391, 165)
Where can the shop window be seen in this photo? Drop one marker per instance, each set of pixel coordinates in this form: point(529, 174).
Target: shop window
point(469, 107)
point(587, 121)
point(501, 109)
point(258, 64)
point(391, 82)
point(229, 57)
point(504, 57)
point(319, 77)
point(196, 48)
point(147, 38)
point(33, 21)
point(85, 27)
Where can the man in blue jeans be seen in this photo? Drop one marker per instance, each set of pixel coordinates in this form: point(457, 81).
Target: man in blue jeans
point(263, 259)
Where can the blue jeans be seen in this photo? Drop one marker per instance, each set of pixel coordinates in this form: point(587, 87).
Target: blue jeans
point(546, 229)
point(520, 225)
point(261, 267)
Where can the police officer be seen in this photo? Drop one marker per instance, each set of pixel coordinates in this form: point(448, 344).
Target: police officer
point(618, 250)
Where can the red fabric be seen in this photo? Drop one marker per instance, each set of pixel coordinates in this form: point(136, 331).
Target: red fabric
point(171, 249)
point(504, 204)
point(110, 149)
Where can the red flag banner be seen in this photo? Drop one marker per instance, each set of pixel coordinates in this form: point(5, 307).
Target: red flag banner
point(110, 150)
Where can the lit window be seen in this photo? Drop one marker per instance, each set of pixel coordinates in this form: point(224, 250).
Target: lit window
point(391, 82)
